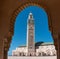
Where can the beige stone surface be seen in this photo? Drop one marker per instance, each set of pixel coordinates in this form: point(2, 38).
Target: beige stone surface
point(47, 57)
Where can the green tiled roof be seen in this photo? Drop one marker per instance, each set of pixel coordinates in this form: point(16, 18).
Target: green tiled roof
point(48, 43)
point(22, 46)
point(45, 43)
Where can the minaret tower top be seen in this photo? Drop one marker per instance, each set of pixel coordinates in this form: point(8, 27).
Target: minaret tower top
point(30, 17)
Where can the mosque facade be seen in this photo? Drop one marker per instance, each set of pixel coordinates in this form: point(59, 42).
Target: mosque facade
point(30, 49)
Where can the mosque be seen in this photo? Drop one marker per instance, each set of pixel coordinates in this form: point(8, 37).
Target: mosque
point(34, 49)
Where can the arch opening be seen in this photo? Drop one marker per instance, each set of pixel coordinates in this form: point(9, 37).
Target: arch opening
point(15, 15)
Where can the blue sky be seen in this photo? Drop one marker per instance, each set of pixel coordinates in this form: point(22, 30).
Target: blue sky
point(42, 32)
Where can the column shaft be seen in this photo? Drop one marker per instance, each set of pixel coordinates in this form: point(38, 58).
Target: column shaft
point(5, 55)
point(1, 48)
point(58, 51)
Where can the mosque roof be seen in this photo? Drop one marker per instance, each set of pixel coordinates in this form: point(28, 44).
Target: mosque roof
point(22, 46)
point(47, 43)
point(43, 43)
point(40, 44)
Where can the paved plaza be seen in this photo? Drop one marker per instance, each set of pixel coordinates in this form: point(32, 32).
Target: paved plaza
point(45, 57)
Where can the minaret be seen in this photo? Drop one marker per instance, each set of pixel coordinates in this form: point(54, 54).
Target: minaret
point(30, 36)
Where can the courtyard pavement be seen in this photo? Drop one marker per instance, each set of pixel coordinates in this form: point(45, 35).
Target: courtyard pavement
point(44, 57)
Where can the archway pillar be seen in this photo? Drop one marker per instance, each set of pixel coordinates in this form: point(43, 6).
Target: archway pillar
point(56, 37)
point(6, 46)
point(58, 51)
point(5, 54)
point(1, 48)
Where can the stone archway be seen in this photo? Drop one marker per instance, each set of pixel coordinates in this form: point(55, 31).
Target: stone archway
point(10, 10)
point(20, 8)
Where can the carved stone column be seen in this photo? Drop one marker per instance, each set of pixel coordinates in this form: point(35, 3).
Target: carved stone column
point(1, 48)
point(58, 51)
point(5, 54)
point(57, 44)
point(5, 48)
point(7, 41)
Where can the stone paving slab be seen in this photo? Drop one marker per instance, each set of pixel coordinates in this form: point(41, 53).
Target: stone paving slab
point(45, 57)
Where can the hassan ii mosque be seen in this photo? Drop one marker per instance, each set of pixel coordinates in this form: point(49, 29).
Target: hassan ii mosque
point(30, 49)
